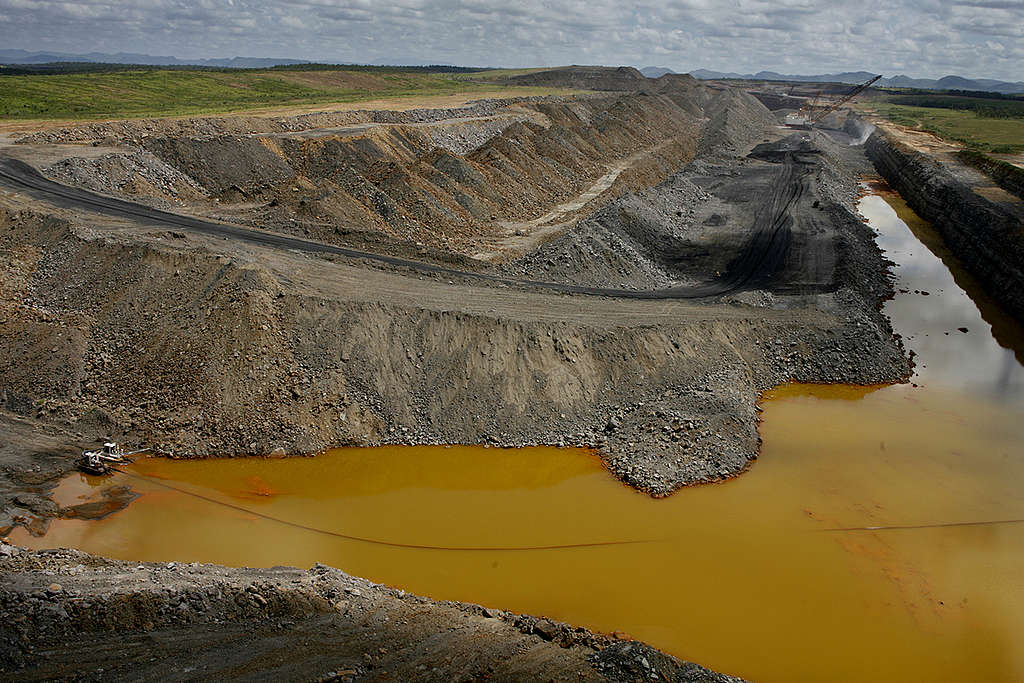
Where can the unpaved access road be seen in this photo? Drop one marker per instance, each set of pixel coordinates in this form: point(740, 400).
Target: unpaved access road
point(762, 258)
point(525, 236)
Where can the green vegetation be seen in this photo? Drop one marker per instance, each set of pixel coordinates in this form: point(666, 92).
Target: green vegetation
point(979, 132)
point(50, 68)
point(172, 92)
point(988, 107)
point(370, 68)
point(1006, 176)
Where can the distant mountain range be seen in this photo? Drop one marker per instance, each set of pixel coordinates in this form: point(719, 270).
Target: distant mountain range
point(853, 77)
point(26, 57)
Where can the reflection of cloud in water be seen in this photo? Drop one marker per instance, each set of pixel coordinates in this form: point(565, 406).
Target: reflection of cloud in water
point(930, 323)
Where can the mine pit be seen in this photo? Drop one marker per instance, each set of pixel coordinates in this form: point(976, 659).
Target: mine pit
point(840, 538)
point(579, 383)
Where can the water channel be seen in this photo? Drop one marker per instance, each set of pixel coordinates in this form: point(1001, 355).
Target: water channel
point(880, 536)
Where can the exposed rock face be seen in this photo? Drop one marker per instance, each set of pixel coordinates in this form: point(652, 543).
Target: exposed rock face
point(988, 238)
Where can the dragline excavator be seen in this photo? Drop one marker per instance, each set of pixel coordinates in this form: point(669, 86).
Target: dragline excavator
point(815, 116)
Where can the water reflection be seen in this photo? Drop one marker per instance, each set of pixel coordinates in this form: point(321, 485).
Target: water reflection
point(935, 309)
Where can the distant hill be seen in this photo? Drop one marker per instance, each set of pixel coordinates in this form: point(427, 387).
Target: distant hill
point(26, 57)
point(845, 77)
point(655, 71)
point(854, 77)
point(908, 82)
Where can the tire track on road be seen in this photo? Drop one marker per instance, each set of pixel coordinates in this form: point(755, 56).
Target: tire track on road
point(758, 262)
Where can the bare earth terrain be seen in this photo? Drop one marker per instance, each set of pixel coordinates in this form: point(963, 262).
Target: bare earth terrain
point(625, 269)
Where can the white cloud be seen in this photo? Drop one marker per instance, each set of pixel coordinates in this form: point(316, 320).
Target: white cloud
point(925, 38)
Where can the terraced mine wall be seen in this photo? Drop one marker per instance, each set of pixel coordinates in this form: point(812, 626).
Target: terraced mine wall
point(987, 238)
point(441, 178)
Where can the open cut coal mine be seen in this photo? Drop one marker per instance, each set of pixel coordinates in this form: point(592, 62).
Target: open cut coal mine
point(626, 271)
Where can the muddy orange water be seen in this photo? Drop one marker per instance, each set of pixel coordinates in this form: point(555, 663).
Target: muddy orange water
point(777, 575)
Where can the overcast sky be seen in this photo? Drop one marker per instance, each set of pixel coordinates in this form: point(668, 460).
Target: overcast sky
point(921, 38)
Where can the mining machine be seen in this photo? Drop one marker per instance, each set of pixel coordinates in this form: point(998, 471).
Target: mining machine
point(818, 116)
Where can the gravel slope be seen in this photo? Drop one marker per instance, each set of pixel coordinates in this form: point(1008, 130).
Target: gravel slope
point(87, 618)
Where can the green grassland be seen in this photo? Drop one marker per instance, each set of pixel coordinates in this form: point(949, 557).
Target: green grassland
point(163, 92)
point(990, 105)
point(973, 129)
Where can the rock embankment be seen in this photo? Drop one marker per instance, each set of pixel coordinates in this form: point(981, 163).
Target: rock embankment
point(83, 616)
point(986, 236)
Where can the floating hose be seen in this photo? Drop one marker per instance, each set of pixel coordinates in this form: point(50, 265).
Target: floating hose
point(375, 541)
point(945, 525)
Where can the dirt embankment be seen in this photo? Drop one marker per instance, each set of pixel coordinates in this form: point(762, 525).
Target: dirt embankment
point(494, 179)
point(195, 353)
point(988, 236)
point(439, 182)
point(79, 614)
point(623, 78)
point(1008, 176)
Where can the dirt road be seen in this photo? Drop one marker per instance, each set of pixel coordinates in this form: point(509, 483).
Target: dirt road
point(760, 260)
